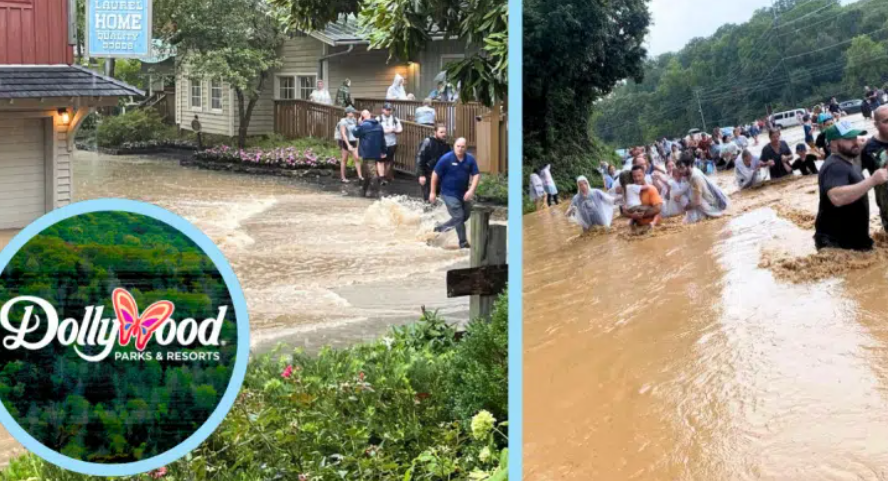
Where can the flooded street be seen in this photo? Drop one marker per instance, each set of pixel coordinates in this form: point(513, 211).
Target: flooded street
point(316, 268)
point(678, 357)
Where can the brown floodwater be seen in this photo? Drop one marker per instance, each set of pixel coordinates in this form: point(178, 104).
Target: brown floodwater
point(683, 356)
point(316, 268)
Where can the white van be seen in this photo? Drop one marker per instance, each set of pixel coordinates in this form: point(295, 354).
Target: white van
point(790, 118)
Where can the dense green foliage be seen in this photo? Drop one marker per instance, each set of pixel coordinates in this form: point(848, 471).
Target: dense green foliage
point(114, 410)
point(138, 125)
point(792, 55)
point(403, 28)
point(575, 52)
point(419, 404)
point(494, 188)
point(479, 366)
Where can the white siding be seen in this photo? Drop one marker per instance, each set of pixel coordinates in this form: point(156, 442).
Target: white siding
point(370, 72)
point(430, 61)
point(22, 171)
point(262, 120)
point(212, 122)
point(64, 171)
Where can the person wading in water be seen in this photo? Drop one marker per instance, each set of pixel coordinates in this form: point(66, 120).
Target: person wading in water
point(430, 152)
point(843, 214)
point(458, 174)
point(874, 156)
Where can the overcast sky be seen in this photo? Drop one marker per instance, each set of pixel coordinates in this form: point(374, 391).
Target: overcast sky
point(675, 22)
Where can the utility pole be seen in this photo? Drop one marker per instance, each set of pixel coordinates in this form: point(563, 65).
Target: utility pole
point(782, 46)
point(700, 106)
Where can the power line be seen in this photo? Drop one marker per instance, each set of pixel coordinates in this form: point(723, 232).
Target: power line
point(844, 42)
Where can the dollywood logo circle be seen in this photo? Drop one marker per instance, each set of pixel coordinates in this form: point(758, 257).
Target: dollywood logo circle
point(124, 337)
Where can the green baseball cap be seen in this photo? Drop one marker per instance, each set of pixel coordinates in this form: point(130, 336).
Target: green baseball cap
point(842, 130)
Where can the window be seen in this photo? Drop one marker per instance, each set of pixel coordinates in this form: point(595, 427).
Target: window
point(196, 94)
point(286, 88)
point(216, 94)
point(306, 86)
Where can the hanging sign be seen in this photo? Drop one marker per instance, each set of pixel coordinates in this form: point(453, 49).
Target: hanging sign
point(118, 28)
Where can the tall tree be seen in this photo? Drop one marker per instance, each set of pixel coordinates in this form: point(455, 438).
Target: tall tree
point(235, 41)
point(404, 28)
point(865, 63)
point(793, 54)
point(575, 52)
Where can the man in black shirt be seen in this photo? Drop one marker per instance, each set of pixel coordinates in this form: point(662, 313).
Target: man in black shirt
point(834, 108)
point(843, 213)
point(875, 155)
point(826, 121)
point(430, 151)
point(778, 155)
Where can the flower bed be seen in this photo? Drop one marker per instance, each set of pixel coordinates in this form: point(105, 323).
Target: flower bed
point(283, 157)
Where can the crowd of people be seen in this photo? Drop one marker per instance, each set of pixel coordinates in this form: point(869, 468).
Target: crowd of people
point(657, 182)
point(441, 170)
point(443, 92)
point(669, 178)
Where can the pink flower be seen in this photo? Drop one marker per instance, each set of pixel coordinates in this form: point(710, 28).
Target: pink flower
point(288, 372)
point(158, 473)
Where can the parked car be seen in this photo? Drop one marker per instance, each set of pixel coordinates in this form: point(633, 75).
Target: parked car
point(851, 106)
point(789, 118)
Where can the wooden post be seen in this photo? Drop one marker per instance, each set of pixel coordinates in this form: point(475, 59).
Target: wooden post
point(493, 149)
point(488, 249)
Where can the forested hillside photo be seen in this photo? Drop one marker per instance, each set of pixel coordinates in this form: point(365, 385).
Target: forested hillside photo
point(114, 410)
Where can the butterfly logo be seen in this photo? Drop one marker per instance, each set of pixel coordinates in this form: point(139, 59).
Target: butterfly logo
point(132, 323)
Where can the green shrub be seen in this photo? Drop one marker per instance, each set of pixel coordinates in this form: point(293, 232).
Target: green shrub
point(479, 374)
point(494, 188)
point(135, 126)
point(386, 410)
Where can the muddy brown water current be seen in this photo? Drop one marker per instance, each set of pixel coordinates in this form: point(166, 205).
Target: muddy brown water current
point(678, 357)
point(316, 268)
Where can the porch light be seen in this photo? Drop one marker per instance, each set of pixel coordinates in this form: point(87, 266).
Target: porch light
point(63, 113)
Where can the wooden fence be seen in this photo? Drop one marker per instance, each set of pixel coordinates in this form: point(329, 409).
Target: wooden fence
point(301, 118)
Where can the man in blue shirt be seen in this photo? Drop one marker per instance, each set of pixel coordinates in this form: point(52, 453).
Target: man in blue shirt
point(371, 149)
point(457, 173)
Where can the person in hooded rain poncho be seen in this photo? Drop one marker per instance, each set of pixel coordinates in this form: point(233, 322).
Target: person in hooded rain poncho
point(320, 94)
point(397, 90)
point(537, 191)
point(590, 207)
point(343, 95)
point(750, 170)
point(705, 199)
point(674, 192)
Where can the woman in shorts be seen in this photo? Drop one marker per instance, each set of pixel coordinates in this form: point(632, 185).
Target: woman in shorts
point(348, 144)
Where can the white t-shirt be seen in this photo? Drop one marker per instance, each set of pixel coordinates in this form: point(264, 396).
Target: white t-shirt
point(321, 97)
point(633, 195)
point(393, 122)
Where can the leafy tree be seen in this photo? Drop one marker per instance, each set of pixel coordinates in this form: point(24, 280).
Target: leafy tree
point(235, 41)
point(793, 54)
point(403, 28)
point(866, 63)
point(575, 52)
